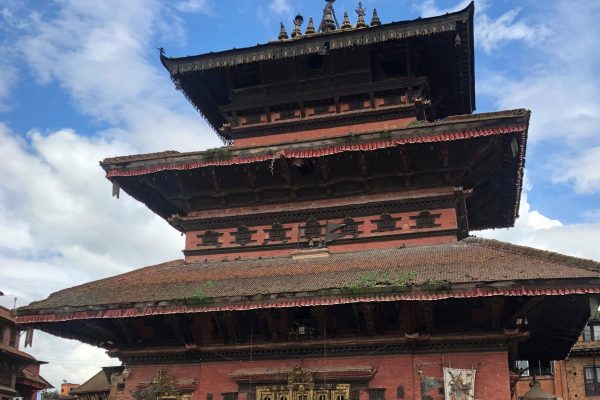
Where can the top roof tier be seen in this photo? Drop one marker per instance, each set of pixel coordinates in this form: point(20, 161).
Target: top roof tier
point(333, 75)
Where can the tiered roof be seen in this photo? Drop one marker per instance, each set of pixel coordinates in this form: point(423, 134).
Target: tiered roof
point(470, 268)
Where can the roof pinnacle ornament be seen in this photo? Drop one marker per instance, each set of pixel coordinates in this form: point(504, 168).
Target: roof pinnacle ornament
point(360, 11)
point(329, 22)
point(310, 28)
point(346, 22)
point(375, 21)
point(297, 24)
point(282, 33)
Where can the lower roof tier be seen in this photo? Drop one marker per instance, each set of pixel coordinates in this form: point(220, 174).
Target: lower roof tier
point(469, 268)
point(484, 153)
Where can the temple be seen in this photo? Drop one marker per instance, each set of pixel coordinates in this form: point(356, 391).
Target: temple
point(328, 249)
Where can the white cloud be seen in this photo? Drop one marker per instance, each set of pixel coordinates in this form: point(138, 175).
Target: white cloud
point(75, 362)
point(280, 6)
point(582, 169)
point(101, 58)
point(536, 230)
point(195, 6)
point(492, 32)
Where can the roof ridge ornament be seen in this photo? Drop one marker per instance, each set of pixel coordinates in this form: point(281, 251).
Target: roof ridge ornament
point(375, 21)
point(346, 23)
point(282, 32)
point(360, 11)
point(329, 22)
point(310, 28)
point(297, 24)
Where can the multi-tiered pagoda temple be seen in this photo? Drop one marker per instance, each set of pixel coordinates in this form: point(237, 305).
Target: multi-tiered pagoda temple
point(327, 251)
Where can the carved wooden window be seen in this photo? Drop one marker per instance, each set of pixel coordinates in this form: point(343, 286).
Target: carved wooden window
point(253, 119)
point(591, 381)
point(425, 219)
point(350, 227)
point(243, 235)
point(322, 109)
point(210, 238)
point(386, 223)
point(230, 396)
point(356, 104)
point(377, 394)
point(289, 113)
point(312, 229)
point(391, 99)
point(277, 233)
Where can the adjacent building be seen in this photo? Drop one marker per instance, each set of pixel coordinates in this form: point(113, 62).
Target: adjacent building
point(328, 250)
point(19, 371)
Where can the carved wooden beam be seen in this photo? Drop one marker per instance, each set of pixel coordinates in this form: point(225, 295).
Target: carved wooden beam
point(125, 330)
point(218, 188)
point(177, 201)
point(287, 175)
point(250, 178)
point(405, 165)
point(368, 311)
point(267, 316)
point(321, 165)
point(230, 326)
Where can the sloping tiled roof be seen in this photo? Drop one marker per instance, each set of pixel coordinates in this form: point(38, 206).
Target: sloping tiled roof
point(469, 268)
point(26, 376)
point(97, 383)
point(450, 128)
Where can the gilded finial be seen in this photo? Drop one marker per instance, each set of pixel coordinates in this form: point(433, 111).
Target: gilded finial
point(310, 28)
point(282, 33)
point(360, 11)
point(346, 23)
point(375, 21)
point(297, 24)
point(329, 22)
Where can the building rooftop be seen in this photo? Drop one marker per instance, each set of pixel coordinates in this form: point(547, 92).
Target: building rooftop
point(472, 267)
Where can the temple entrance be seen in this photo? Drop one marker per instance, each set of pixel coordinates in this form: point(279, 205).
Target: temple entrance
point(301, 386)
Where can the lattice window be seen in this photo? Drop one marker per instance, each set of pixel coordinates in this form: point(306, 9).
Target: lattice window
point(591, 376)
point(591, 332)
point(312, 229)
point(277, 233)
point(425, 219)
point(386, 223)
point(243, 235)
point(210, 238)
point(350, 227)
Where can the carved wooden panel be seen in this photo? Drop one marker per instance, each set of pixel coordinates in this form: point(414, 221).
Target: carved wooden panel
point(425, 219)
point(386, 223)
point(277, 233)
point(210, 238)
point(243, 235)
point(312, 228)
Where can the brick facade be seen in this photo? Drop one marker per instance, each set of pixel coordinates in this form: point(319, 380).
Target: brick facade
point(399, 375)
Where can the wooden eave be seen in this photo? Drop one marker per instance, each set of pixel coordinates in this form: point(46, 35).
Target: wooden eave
point(156, 179)
point(180, 69)
point(312, 44)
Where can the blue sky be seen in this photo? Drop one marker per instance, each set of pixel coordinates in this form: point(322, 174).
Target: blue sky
point(81, 81)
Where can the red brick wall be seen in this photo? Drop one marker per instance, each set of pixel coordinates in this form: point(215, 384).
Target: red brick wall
point(492, 379)
point(575, 375)
point(315, 134)
point(367, 228)
point(554, 384)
